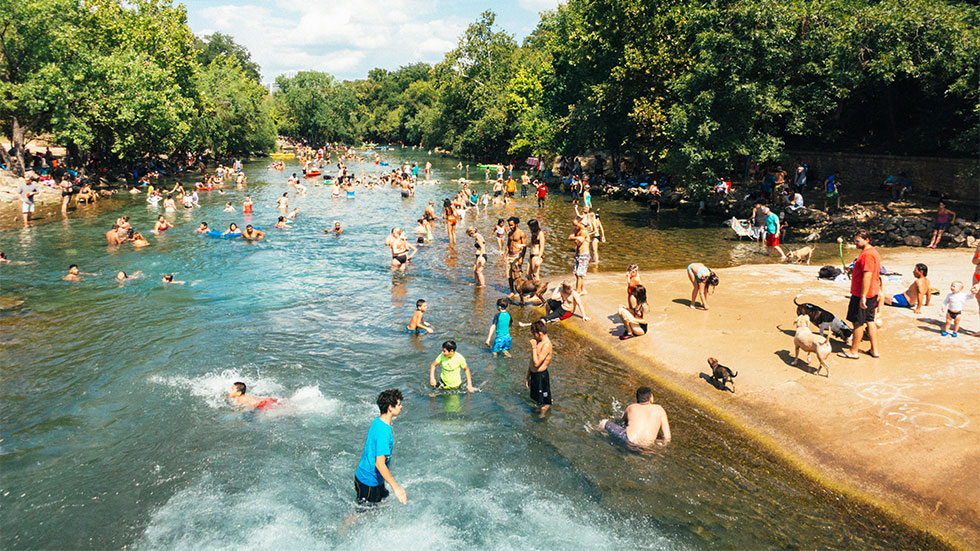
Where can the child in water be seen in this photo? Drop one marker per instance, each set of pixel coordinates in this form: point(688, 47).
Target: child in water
point(237, 394)
point(229, 208)
point(501, 325)
point(953, 305)
point(417, 324)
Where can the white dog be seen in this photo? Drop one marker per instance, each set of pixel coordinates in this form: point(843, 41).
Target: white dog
point(810, 343)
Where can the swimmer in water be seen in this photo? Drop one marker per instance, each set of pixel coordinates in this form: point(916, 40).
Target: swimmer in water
point(237, 394)
point(232, 229)
point(252, 234)
point(73, 273)
point(247, 205)
point(169, 279)
point(292, 215)
point(642, 422)
point(335, 229)
point(203, 228)
point(123, 276)
point(281, 223)
point(229, 208)
point(450, 362)
point(417, 324)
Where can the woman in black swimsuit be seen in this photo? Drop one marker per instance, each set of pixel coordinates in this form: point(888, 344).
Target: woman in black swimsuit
point(481, 255)
point(399, 249)
point(536, 248)
point(65, 186)
point(634, 316)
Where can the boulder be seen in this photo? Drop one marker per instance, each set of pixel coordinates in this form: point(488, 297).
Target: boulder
point(971, 241)
point(805, 216)
point(913, 241)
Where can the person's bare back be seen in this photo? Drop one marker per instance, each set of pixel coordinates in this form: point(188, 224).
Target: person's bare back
point(644, 422)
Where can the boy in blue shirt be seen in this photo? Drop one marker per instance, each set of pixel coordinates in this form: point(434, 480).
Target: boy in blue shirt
point(501, 326)
point(372, 471)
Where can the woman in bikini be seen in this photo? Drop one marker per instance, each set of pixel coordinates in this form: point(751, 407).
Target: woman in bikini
point(500, 233)
point(399, 249)
point(232, 229)
point(449, 213)
point(169, 205)
point(536, 247)
point(701, 278)
point(162, 225)
point(481, 255)
point(634, 315)
point(66, 188)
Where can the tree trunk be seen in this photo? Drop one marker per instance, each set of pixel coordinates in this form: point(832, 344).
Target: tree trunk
point(16, 163)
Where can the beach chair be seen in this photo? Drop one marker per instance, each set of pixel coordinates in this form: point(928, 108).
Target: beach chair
point(741, 228)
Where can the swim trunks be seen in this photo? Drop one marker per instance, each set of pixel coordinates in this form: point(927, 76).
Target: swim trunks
point(369, 494)
point(900, 301)
point(617, 430)
point(952, 315)
point(268, 403)
point(581, 266)
point(500, 344)
point(772, 240)
point(417, 330)
point(858, 316)
point(540, 385)
point(557, 311)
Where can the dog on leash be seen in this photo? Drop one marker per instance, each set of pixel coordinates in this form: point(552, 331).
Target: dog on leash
point(806, 341)
point(824, 320)
point(721, 375)
point(534, 288)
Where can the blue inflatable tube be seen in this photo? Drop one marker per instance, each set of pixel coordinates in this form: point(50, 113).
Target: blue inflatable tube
point(221, 235)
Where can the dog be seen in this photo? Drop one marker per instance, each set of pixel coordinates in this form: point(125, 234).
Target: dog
point(824, 320)
point(811, 344)
point(722, 375)
point(533, 288)
point(800, 254)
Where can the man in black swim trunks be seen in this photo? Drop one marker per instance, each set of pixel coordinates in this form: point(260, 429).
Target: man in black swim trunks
point(537, 379)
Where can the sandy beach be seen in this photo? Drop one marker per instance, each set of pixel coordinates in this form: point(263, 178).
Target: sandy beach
point(900, 431)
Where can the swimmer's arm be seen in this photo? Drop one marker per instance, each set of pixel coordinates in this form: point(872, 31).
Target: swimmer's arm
point(469, 379)
point(432, 372)
point(382, 467)
point(665, 427)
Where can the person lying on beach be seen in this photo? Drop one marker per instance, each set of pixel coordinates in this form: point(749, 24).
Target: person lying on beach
point(416, 324)
point(237, 395)
point(169, 279)
point(564, 302)
point(335, 229)
point(642, 422)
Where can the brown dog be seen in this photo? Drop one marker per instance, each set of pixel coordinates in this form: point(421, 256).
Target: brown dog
point(722, 375)
point(811, 344)
point(533, 288)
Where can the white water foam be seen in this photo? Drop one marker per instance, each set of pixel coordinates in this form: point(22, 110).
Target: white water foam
point(213, 389)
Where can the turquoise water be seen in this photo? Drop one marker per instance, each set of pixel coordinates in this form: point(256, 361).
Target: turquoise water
point(116, 432)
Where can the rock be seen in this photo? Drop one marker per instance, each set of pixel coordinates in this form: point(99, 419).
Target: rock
point(971, 241)
point(913, 241)
point(805, 216)
point(893, 237)
point(959, 240)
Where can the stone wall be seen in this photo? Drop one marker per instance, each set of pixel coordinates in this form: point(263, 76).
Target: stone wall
point(956, 178)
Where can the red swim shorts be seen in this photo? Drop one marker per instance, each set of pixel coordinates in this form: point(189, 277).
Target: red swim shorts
point(268, 403)
point(772, 240)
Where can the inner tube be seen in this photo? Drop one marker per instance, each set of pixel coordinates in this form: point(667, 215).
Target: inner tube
point(312, 173)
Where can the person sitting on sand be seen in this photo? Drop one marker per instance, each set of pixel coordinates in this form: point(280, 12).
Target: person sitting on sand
point(169, 279)
point(562, 305)
point(237, 395)
point(642, 422)
point(252, 234)
point(917, 294)
point(634, 315)
point(701, 278)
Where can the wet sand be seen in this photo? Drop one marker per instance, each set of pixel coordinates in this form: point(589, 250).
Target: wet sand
point(900, 431)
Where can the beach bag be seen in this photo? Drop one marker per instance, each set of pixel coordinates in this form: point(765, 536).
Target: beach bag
point(829, 272)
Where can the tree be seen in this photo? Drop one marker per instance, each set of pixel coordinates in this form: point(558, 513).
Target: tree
point(212, 46)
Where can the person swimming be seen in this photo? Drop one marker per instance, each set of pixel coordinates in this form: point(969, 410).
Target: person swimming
point(237, 394)
point(232, 229)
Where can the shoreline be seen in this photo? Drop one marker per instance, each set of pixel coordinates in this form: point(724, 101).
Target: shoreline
point(867, 430)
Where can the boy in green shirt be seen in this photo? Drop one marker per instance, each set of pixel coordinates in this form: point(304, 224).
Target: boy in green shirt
point(451, 363)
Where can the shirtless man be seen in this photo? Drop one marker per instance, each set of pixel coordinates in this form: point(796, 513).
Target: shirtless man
point(537, 380)
point(516, 244)
point(252, 234)
point(580, 237)
point(429, 215)
point(335, 229)
point(73, 274)
point(642, 421)
point(917, 294)
point(237, 395)
point(115, 236)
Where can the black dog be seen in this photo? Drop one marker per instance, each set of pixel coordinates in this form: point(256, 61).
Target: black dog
point(533, 288)
point(824, 320)
point(722, 375)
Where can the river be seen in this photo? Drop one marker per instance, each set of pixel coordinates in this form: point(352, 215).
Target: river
point(115, 431)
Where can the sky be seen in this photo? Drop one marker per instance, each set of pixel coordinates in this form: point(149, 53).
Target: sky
point(347, 38)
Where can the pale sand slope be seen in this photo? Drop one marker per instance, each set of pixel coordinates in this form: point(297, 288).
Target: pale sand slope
point(903, 429)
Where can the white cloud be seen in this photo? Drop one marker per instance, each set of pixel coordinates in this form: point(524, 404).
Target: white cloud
point(343, 37)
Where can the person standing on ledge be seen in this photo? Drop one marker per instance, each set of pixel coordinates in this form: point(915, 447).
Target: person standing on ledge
point(642, 422)
point(865, 284)
point(372, 471)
